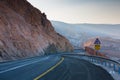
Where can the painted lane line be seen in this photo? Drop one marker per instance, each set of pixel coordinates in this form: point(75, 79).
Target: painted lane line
point(50, 69)
point(16, 67)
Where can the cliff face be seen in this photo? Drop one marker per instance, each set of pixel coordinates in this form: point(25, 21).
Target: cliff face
point(26, 32)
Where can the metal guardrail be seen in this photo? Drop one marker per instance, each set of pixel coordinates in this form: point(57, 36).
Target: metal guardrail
point(114, 65)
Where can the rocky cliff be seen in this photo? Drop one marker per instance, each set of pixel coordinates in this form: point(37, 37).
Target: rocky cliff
point(26, 32)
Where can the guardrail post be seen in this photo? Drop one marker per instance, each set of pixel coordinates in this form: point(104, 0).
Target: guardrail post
point(100, 61)
point(97, 61)
point(119, 70)
point(109, 64)
point(90, 59)
point(105, 63)
point(93, 60)
point(114, 67)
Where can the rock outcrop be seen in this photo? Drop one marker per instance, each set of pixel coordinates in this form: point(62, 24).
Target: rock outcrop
point(26, 32)
point(109, 46)
point(91, 51)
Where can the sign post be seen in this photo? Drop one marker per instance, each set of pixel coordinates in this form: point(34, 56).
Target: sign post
point(97, 45)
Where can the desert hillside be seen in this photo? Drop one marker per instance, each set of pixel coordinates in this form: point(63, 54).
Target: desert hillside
point(109, 46)
point(84, 35)
point(26, 32)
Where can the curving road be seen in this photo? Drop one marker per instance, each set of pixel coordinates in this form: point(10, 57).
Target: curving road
point(77, 69)
point(54, 67)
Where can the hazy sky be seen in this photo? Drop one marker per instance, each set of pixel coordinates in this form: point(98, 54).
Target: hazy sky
point(80, 11)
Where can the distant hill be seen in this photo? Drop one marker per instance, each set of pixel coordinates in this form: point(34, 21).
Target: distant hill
point(81, 35)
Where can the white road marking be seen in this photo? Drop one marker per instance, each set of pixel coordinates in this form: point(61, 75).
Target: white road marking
point(16, 67)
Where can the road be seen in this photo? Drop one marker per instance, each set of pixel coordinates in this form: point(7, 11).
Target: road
point(53, 67)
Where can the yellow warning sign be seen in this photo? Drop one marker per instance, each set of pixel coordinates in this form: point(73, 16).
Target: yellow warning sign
point(97, 47)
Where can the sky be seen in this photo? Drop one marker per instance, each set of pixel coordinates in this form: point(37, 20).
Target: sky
point(80, 11)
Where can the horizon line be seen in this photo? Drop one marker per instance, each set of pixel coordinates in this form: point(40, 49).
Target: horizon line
point(87, 23)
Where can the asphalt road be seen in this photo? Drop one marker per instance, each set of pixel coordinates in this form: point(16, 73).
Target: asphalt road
point(27, 69)
point(54, 67)
point(77, 69)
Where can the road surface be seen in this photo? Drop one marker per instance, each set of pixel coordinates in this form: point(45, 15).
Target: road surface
point(53, 67)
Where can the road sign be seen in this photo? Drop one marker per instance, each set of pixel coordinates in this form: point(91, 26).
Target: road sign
point(97, 44)
point(97, 41)
point(97, 47)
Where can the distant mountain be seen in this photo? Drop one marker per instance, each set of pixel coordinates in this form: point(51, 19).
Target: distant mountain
point(81, 35)
point(26, 32)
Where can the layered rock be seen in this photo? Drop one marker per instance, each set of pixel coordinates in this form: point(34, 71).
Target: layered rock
point(26, 32)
